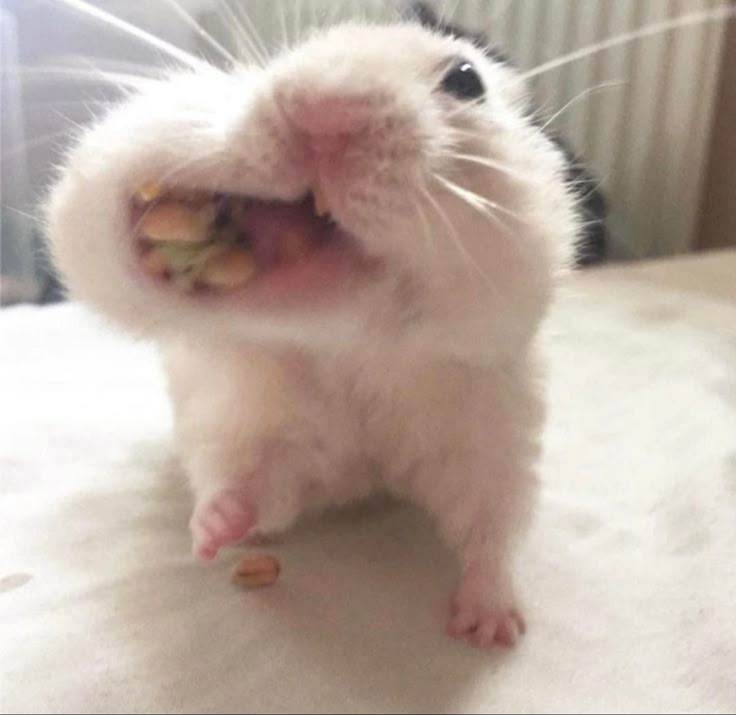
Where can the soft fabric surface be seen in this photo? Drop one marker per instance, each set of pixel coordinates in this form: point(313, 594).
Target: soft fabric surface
point(629, 575)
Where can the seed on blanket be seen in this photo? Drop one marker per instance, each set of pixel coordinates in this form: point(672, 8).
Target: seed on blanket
point(149, 191)
point(176, 221)
point(256, 572)
point(229, 268)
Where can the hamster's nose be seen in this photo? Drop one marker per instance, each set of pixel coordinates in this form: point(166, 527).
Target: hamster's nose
point(327, 145)
point(329, 122)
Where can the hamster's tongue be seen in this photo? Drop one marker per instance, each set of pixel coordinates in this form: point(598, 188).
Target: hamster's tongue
point(297, 251)
point(280, 232)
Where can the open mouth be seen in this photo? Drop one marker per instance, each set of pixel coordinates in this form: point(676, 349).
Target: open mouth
point(203, 242)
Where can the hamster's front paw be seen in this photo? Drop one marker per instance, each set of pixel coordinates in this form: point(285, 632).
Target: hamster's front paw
point(226, 518)
point(484, 612)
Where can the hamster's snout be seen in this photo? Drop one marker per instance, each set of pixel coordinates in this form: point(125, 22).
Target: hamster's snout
point(348, 120)
point(327, 114)
point(328, 121)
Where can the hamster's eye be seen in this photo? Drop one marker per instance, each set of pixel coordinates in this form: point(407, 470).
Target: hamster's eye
point(463, 82)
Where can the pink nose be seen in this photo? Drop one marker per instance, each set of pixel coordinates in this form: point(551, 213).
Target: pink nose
point(328, 121)
point(327, 145)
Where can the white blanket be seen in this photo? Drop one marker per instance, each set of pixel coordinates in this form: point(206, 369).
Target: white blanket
point(629, 575)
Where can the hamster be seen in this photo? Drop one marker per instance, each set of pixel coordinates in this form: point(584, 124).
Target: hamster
point(398, 350)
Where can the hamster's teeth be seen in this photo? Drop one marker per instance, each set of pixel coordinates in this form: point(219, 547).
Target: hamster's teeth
point(321, 206)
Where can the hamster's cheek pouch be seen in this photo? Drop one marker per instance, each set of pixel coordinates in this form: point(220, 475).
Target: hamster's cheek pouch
point(224, 247)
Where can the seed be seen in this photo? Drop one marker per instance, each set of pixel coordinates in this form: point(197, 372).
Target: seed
point(175, 221)
point(230, 268)
point(183, 281)
point(256, 572)
point(182, 257)
point(154, 262)
point(149, 191)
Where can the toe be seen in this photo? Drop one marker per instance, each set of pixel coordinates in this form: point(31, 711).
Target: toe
point(506, 633)
point(485, 635)
point(462, 624)
point(520, 622)
point(226, 519)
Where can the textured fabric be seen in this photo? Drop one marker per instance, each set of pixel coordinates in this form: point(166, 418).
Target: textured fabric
point(629, 574)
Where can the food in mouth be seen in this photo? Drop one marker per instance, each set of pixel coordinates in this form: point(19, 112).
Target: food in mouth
point(205, 241)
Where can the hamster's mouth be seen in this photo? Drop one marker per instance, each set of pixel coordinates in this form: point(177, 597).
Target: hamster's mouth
point(205, 243)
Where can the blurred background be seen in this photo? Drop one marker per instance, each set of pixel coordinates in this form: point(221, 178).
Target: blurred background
point(653, 119)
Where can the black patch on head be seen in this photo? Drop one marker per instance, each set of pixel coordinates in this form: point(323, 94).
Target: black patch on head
point(424, 13)
point(592, 246)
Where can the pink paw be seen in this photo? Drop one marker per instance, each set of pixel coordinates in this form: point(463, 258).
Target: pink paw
point(225, 519)
point(485, 625)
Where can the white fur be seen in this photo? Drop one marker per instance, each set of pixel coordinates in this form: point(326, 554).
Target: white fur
point(422, 380)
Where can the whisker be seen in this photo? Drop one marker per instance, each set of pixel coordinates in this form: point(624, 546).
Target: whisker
point(579, 201)
point(132, 69)
point(282, 20)
point(501, 11)
point(183, 15)
point(297, 22)
point(613, 84)
point(596, 185)
point(429, 237)
point(85, 8)
point(242, 35)
point(42, 105)
point(334, 11)
point(453, 233)
point(33, 143)
point(481, 203)
point(447, 12)
point(466, 107)
point(593, 222)
point(655, 28)
point(490, 163)
point(398, 15)
point(254, 36)
point(35, 219)
point(117, 79)
point(71, 121)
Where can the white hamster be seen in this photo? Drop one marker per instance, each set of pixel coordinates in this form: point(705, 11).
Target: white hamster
point(399, 351)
